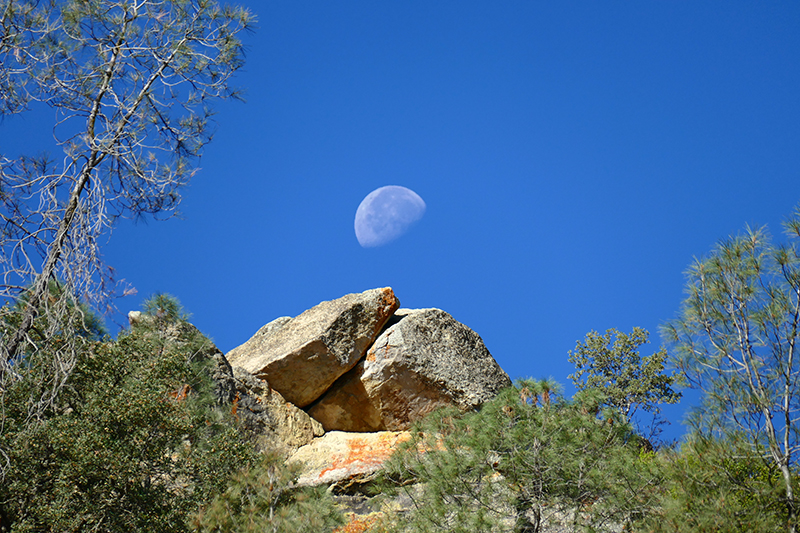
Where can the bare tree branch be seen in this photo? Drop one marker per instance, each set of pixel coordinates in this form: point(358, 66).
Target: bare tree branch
point(131, 82)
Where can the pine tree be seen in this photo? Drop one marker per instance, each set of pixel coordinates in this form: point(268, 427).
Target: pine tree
point(527, 458)
point(265, 499)
point(132, 85)
point(736, 341)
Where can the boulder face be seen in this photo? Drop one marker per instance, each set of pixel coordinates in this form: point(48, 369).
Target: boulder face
point(423, 360)
point(345, 458)
point(303, 356)
point(347, 406)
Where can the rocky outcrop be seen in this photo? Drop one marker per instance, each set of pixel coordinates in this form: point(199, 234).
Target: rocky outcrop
point(336, 388)
point(355, 364)
point(345, 458)
point(423, 360)
point(303, 356)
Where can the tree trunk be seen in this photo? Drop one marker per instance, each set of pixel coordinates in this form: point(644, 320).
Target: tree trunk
point(791, 511)
point(53, 255)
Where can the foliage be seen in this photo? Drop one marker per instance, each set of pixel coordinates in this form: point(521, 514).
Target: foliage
point(736, 341)
point(527, 458)
point(628, 380)
point(42, 363)
point(135, 442)
point(132, 84)
point(165, 309)
point(718, 485)
point(264, 498)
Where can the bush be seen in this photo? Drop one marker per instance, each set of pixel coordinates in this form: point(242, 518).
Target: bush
point(718, 485)
point(136, 442)
point(264, 498)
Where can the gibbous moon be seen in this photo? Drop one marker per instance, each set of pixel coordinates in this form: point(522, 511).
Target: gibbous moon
point(386, 214)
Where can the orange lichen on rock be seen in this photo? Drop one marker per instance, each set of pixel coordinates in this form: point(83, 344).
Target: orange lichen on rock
point(235, 406)
point(367, 452)
point(389, 302)
point(388, 305)
point(358, 524)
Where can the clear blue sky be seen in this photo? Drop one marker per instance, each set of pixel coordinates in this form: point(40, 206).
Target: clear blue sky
point(574, 157)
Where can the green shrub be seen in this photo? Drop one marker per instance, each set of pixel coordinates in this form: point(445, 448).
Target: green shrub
point(264, 498)
point(136, 442)
point(718, 485)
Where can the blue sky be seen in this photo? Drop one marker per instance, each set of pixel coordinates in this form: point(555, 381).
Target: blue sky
point(573, 156)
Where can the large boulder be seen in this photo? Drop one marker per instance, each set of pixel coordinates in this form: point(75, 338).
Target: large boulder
point(423, 360)
point(302, 357)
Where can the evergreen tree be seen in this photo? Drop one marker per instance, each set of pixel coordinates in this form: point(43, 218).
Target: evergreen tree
point(527, 458)
point(265, 499)
point(736, 341)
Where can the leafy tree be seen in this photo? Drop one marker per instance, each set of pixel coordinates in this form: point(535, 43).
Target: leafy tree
point(135, 441)
point(629, 381)
point(265, 499)
point(736, 341)
point(527, 458)
point(131, 83)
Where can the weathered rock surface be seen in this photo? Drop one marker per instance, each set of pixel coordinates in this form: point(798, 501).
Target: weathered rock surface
point(423, 360)
point(340, 458)
point(302, 357)
point(276, 425)
point(347, 406)
point(260, 336)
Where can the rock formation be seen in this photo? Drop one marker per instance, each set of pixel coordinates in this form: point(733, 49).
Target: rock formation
point(276, 425)
point(340, 457)
point(332, 361)
point(337, 388)
point(364, 371)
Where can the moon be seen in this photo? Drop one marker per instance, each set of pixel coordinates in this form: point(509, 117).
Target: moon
point(386, 214)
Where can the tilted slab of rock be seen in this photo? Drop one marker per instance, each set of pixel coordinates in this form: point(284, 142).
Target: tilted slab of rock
point(339, 457)
point(302, 357)
point(423, 360)
point(277, 425)
point(266, 330)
